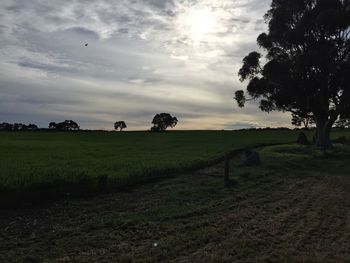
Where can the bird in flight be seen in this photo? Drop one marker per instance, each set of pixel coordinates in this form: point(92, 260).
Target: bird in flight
point(86, 44)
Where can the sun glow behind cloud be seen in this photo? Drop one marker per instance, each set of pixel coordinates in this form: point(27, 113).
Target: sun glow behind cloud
point(143, 57)
point(204, 29)
point(199, 23)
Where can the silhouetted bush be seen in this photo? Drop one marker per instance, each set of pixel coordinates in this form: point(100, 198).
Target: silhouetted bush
point(67, 125)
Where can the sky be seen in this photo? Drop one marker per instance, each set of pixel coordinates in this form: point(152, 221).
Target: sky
point(143, 57)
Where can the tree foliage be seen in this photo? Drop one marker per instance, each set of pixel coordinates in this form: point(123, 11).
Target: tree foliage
point(120, 125)
point(307, 62)
point(162, 121)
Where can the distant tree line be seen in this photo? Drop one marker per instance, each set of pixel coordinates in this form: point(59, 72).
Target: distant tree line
point(161, 122)
point(300, 120)
point(17, 127)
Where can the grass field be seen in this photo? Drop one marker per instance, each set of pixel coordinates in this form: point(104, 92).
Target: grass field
point(50, 164)
point(293, 208)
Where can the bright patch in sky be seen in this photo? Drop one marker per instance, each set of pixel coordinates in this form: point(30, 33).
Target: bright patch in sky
point(199, 22)
point(143, 57)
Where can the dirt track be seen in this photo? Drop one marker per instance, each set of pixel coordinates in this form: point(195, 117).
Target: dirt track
point(273, 215)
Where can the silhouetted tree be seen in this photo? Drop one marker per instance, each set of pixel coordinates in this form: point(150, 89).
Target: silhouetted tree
point(343, 123)
point(6, 126)
point(163, 121)
point(120, 125)
point(308, 62)
point(67, 125)
point(18, 127)
point(299, 119)
point(32, 127)
point(53, 125)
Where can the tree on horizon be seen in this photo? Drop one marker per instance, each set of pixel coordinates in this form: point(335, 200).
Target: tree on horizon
point(299, 119)
point(120, 125)
point(67, 125)
point(162, 121)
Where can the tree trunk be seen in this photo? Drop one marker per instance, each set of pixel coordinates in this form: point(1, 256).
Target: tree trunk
point(322, 137)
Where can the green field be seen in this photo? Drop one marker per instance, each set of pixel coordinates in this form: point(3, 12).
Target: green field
point(50, 163)
point(295, 207)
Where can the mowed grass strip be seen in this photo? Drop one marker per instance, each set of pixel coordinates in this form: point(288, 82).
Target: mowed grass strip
point(56, 163)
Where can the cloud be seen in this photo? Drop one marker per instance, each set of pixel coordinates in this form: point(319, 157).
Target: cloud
point(46, 67)
point(143, 57)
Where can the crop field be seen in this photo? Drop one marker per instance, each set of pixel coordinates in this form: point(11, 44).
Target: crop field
point(53, 163)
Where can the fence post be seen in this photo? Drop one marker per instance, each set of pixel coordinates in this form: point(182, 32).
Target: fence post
point(226, 170)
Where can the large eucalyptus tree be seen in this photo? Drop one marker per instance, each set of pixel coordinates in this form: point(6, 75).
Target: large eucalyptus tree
point(307, 64)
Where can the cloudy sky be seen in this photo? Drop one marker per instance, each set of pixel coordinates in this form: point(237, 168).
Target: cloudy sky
point(143, 57)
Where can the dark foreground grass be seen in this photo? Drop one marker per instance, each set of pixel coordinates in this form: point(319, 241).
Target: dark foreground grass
point(46, 165)
point(294, 208)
